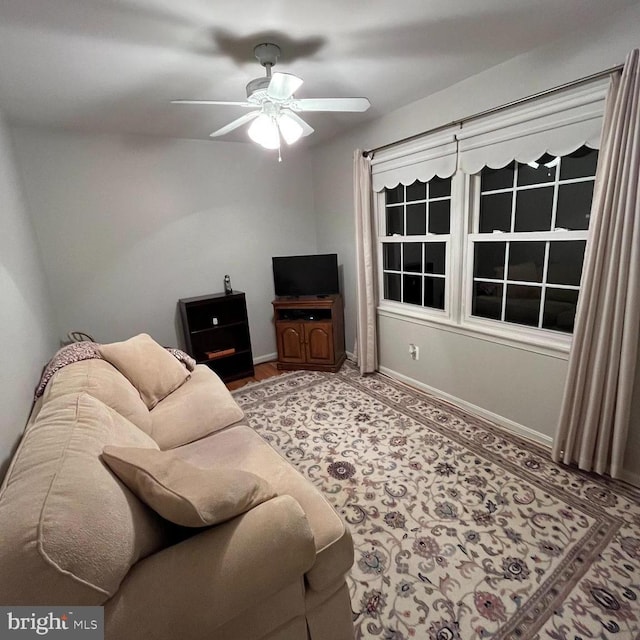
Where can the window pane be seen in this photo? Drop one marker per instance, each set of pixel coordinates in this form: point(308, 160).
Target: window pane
point(574, 205)
point(413, 256)
point(526, 261)
point(395, 220)
point(434, 292)
point(530, 175)
point(487, 300)
point(439, 216)
point(492, 179)
point(413, 289)
point(392, 286)
point(533, 209)
point(417, 191)
point(579, 164)
point(395, 195)
point(565, 262)
point(435, 257)
point(560, 309)
point(495, 212)
point(489, 259)
point(523, 304)
point(391, 254)
point(417, 219)
point(439, 187)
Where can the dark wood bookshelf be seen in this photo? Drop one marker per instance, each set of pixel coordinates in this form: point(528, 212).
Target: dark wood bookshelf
point(216, 333)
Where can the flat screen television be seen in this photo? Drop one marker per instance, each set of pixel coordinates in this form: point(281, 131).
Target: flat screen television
point(314, 275)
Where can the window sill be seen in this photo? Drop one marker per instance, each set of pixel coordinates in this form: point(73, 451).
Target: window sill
point(512, 336)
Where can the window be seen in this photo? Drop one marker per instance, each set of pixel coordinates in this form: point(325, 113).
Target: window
point(529, 232)
point(522, 254)
point(414, 243)
point(496, 246)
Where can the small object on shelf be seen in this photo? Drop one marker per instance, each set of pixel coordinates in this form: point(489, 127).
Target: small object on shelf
point(212, 355)
point(216, 333)
point(227, 285)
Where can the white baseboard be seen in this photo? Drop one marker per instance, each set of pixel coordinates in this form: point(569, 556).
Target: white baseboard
point(266, 358)
point(498, 420)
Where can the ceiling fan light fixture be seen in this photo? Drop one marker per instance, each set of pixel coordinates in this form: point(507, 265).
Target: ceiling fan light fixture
point(264, 131)
point(290, 129)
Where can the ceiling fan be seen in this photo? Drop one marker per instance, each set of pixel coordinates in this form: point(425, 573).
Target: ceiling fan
point(276, 109)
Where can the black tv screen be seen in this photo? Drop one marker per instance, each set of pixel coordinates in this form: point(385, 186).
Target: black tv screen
point(314, 275)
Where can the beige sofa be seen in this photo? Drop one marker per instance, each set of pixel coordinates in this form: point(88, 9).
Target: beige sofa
point(73, 534)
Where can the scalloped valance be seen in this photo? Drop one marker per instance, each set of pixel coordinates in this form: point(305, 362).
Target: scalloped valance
point(558, 123)
point(419, 159)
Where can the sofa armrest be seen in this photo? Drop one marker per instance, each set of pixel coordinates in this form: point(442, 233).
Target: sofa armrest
point(191, 588)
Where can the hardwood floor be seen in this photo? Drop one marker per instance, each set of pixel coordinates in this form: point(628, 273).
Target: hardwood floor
point(261, 372)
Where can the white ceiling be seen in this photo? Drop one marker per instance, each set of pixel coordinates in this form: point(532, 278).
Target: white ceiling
point(114, 65)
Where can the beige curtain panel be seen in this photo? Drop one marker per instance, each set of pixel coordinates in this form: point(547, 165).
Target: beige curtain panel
point(366, 338)
point(594, 417)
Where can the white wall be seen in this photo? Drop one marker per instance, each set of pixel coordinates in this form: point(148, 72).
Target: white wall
point(128, 225)
point(26, 321)
point(471, 369)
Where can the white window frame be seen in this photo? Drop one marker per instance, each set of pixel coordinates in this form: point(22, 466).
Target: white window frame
point(450, 313)
point(465, 208)
point(548, 337)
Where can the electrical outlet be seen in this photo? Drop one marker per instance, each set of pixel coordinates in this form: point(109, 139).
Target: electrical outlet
point(414, 351)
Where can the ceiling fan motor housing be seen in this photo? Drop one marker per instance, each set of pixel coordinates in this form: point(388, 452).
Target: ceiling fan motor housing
point(257, 89)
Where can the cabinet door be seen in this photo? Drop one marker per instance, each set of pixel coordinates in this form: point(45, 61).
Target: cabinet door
point(290, 342)
point(319, 342)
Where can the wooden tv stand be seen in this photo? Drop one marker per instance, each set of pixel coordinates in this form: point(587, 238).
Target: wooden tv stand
point(310, 332)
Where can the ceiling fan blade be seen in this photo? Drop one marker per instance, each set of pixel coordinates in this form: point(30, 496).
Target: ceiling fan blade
point(331, 104)
point(283, 86)
point(238, 122)
point(306, 129)
point(236, 104)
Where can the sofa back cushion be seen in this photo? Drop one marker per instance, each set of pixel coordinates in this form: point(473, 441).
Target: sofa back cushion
point(70, 530)
point(104, 382)
point(150, 368)
point(199, 407)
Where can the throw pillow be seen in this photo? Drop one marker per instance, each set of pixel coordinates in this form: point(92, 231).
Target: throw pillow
point(182, 493)
point(150, 368)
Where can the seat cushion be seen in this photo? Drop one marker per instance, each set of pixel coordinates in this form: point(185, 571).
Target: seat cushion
point(182, 493)
point(104, 382)
point(70, 529)
point(150, 368)
point(199, 407)
point(240, 447)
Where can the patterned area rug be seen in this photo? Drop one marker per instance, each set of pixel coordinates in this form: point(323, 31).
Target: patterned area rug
point(461, 531)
